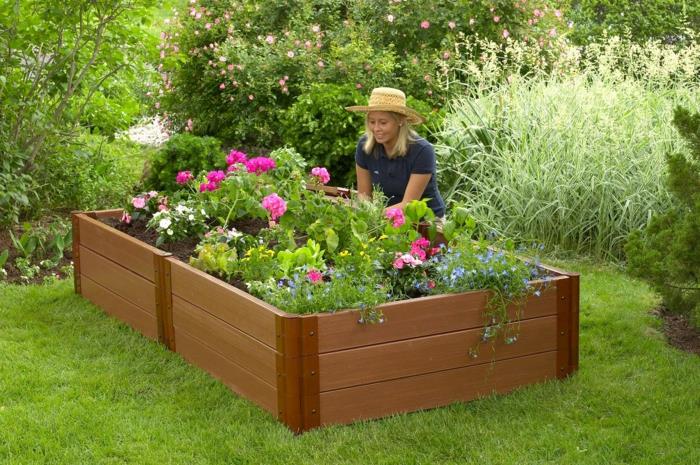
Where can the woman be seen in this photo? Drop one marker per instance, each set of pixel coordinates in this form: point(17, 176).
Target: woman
point(391, 154)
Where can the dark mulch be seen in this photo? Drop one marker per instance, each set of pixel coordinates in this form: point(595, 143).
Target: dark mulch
point(14, 276)
point(679, 332)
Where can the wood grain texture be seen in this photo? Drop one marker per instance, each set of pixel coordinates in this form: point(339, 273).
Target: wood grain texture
point(428, 354)
point(136, 317)
point(420, 317)
point(126, 284)
point(435, 389)
point(121, 248)
point(226, 340)
point(237, 308)
point(235, 377)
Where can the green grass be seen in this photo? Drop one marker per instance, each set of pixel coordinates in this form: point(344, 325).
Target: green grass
point(77, 387)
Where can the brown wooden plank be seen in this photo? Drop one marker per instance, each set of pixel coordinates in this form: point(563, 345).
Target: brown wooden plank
point(288, 331)
point(219, 336)
point(237, 308)
point(563, 327)
point(75, 221)
point(435, 389)
point(574, 321)
point(113, 213)
point(428, 354)
point(167, 295)
point(136, 317)
point(118, 247)
point(420, 317)
point(124, 283)
point(239, 380)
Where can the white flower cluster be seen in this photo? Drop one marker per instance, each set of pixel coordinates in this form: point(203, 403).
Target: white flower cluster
point(177, 220)
point(150, 131)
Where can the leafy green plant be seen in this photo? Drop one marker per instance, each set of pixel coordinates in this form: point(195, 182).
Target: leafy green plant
point(667, 252)
point(26, 243)
point(183, 152)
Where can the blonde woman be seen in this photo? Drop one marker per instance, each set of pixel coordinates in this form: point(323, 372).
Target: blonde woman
point(392, 156)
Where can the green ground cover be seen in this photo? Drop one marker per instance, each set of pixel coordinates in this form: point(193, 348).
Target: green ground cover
point(79, 387)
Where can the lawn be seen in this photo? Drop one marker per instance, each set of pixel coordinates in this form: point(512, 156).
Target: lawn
point(77, 387)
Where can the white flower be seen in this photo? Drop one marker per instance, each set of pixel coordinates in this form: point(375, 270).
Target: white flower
point(191, 217)
point(170, 232)
point(181, 208)
point(165, 223)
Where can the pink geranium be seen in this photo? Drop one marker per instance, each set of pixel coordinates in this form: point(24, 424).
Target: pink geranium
point(235, 156)
point(403, 260)
point(314, 276)
point(321, 174)
point(424, 24)
point(138, 202)
point(259, 165)
point(274, 204)
point(396, 216)
point(216, 176)
point(208, 186)
point(183, 177)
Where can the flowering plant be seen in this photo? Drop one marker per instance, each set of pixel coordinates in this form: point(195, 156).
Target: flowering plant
point(179, 222)
point(143, 206)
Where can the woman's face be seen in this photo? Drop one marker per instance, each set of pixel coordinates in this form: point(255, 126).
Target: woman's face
point(384, 127)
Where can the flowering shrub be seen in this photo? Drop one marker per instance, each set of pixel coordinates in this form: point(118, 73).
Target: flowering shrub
point(179, 222)
point(143, 206)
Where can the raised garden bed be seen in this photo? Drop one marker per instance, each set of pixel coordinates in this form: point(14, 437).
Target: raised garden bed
point(324, 368)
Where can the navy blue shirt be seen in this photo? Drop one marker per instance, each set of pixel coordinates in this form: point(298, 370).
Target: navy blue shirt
point(392, 174)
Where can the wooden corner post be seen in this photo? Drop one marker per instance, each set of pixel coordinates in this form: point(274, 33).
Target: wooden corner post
point(567, 325)
point(75, 221)
point(164, 300)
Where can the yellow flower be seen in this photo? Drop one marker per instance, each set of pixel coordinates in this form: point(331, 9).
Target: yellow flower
point(344, 253)
point(383, 236)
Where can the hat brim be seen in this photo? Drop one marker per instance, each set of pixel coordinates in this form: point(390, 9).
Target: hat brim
point(411, 115)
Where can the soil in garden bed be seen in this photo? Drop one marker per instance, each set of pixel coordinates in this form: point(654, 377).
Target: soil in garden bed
point(679, 332)
point(184, 249)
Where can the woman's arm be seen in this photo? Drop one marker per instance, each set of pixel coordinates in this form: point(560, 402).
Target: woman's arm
point(414, 189)
point(364, 182)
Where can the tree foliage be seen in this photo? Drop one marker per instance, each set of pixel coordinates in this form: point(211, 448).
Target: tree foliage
point(55, 57)
point(667, 252)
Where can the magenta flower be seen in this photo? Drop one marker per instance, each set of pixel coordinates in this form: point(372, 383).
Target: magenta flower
point(321, 174)
point(138, 202)
point(216, 176)
point(126, 218)
point(259, 165)
point(424, 24)
point(396, 216)
point(406, 259)
point(183, 177)
point(398, 263)
point(314, 276)
point(274, 204)
point(235, 156)
point(208, 186)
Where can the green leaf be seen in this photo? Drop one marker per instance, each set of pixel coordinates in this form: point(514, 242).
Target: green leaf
point(3, 257)
point(331, 239)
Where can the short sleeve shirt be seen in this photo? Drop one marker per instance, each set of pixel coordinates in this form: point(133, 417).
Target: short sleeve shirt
point(391, 175)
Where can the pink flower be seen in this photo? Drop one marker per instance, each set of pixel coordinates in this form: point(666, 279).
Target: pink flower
point(208, 186)
point(431, 284)
point(259, 165)
point(216, 176)
point(270, 39)
point(251, 97)
point(207, 26)
point(290, 54)
point(451, 24)
point(396, 216)
point(152, 194)
point(162, 207)
point(557, 13)
point(235, 156)
point(421, 243)
point(398, 263)
point(424, 24)
point(274, 204)
point(320, 64)
point(496, 19)
point(321, 174)
point(126, 218)
point(506, 33)
point(190, 124)
point(138, 202)
point(314, 276)
point(552, 32)
point(222, 86)
point(446, 55)
point(183, 177)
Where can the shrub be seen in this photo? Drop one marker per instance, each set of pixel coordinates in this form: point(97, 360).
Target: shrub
point(230, 66)
point(655, 19)
point(183, 152)
point(667, 252)
point(89, 173)
point(318, 126)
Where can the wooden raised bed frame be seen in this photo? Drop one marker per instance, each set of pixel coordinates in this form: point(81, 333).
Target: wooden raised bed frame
point(325, 368)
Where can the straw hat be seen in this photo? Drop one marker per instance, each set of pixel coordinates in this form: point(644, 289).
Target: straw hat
point(388, 99)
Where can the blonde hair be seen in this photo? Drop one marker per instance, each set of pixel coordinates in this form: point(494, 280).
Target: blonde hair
point(405, 137)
